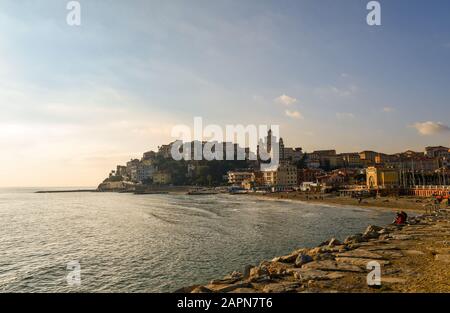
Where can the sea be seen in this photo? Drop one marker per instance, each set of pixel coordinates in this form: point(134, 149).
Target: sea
point(119, 242)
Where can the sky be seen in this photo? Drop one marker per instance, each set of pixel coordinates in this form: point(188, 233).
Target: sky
point(77, 100)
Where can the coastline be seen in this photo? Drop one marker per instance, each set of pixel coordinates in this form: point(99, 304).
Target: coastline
point(408, 204)
point(412, 258)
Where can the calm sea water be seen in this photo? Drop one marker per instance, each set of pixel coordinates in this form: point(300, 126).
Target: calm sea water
point(153, 243)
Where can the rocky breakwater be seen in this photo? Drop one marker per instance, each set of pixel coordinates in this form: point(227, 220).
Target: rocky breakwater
point(413, 258)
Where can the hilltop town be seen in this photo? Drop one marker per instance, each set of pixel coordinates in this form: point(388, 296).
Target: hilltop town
point(413, 173)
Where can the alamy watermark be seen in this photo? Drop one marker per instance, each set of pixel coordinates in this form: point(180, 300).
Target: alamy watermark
point(73, 17)
point(374, 16)
point(234, 142)
point(73, 278)
point(374, 276)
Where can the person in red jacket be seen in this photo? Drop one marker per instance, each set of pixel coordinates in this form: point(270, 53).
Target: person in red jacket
point(400, 218)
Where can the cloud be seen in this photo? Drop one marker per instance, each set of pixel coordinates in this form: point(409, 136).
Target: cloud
point(334, 91)
point(294, 114)
point(342, 116)
point(285, 100)
point(388, 109)
point(431, 128)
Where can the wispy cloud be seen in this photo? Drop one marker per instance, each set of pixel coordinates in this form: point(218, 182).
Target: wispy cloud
point(333, 91)
point(388, 109)
point(345, 115)
point(431, 128)
point(294, 114)
point(285, 100)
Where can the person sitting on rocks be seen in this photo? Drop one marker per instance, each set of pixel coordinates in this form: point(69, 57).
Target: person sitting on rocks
point(400, 218)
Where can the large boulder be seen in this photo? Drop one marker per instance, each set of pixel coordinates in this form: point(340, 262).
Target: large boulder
point(290, 258)
point(334, 242)
point(372, 232)
point(303, 259)
point(357, 238)
point(259, 273)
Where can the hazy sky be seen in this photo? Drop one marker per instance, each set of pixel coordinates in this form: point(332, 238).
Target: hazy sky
point(75, 101)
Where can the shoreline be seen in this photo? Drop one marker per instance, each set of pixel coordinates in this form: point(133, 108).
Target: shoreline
point(405, 203)
point(412, 258)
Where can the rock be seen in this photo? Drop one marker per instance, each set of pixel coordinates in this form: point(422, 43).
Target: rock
point(362, 254)
point(383, 248)
point(333, 266)
point(315, 251)
point(224, 281)
point(202, 289)
point(402, 237)
point(324, 256)
point(413, 252)
point(244, 290)
point(230, 287)
point(291, 257)
point(362, 262)
point(372, 231)
point(390, 254)
point(278, 268)
point(334, 242)
point(247, 269)
point(281, 287)
point(303, 259)
point(305, 275)
point(259, 273)
point(354, 239)
point(335, 275)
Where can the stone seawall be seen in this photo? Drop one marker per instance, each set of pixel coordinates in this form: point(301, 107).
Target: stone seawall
point(413, 258)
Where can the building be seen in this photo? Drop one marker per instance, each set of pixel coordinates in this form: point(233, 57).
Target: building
point(331, 179)
point(351, 160)
point(286, 175)
point(121, 170)
point(368, 156)
point(144, 171)
point(132, 169)
point(382, 178)
point(283, 177)
point(292, 154)
point(308, 175)
point(161, 178)
point(312, 162)
point(437, 152)
point(382, 158)
point(149, 155)
point(236, 178)
point(165, 150)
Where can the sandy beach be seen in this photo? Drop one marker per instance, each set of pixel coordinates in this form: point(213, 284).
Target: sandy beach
point(405, 203)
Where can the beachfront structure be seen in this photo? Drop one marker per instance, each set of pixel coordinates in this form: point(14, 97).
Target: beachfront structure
point(429, 190)
point(236, 178)
point(308, 175)
point(282, 177)
point(382, 178)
